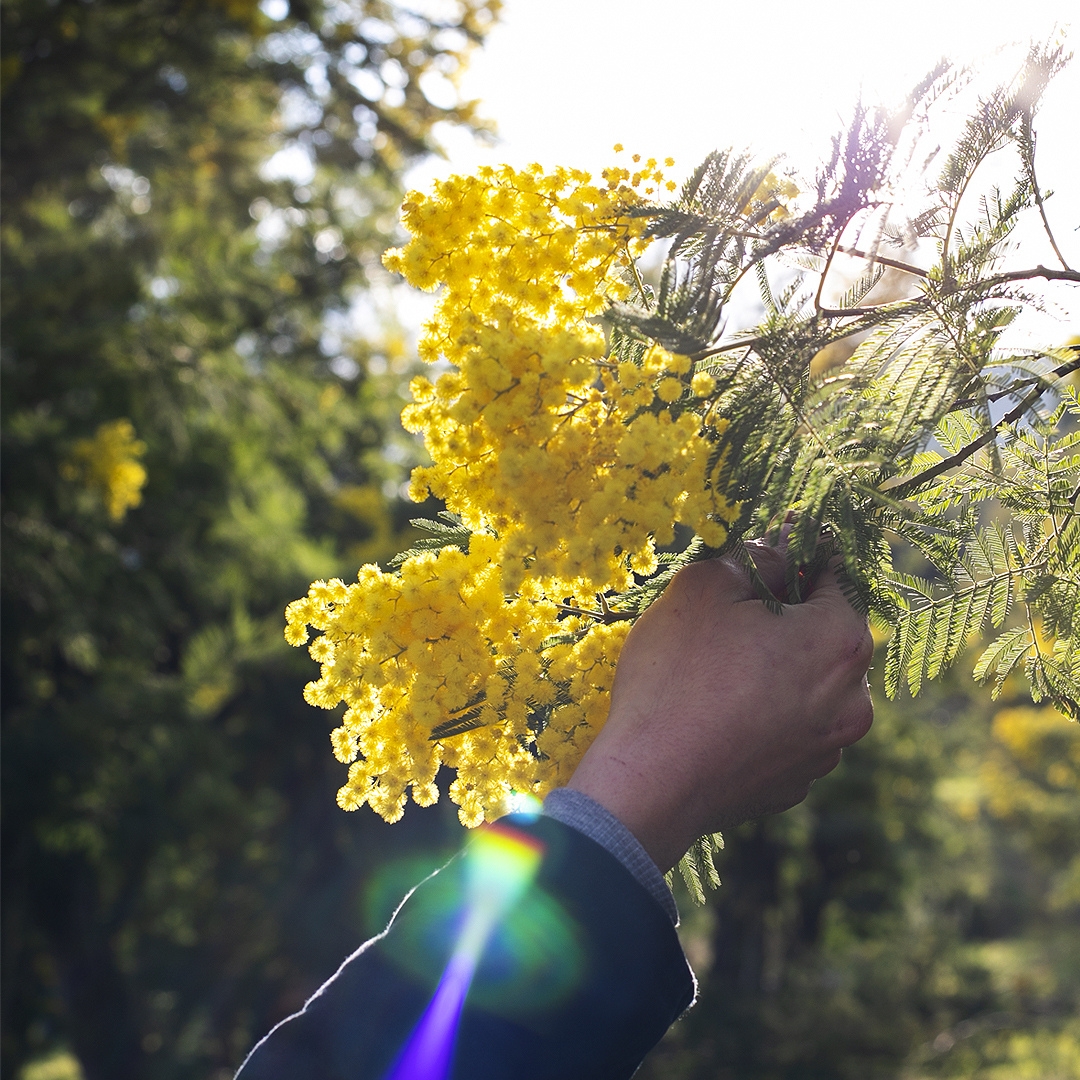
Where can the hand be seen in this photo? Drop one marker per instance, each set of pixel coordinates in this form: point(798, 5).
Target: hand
point(721, 710)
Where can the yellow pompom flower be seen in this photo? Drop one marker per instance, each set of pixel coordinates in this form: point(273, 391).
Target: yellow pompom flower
point(703, 384)
point(669, 390)
point(567, 468)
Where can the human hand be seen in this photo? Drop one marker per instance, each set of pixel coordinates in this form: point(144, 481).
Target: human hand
point(721, 710)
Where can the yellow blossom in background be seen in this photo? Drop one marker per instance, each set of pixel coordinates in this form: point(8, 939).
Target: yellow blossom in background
point(566, 466)
point(108, 464)
point(1034, 764)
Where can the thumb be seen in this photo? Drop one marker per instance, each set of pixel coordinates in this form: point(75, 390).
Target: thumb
point(829, 586)
point(771, 564)
point(770, 557)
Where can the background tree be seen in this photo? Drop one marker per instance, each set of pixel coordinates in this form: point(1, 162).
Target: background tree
point(190, 432)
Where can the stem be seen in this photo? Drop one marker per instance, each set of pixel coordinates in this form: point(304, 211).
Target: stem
point(848, 312)
point(610, 616)
point(605, 615)
point(1028, 145)
point(1046, 224)
point(805, 424)
point(1040, 271)
point(638, 279)
point(828, 263)
point(1034, 637)
point(731, 346)
point(961, 455)
point(738, 277)
point(907, 268)
point(457, 714)
point(1057, 373)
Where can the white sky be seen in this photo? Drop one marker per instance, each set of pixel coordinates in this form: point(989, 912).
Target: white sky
point(566, 79)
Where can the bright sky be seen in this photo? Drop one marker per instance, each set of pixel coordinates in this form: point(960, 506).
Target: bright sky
point(566, 79)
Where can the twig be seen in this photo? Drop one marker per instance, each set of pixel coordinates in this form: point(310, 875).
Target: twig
point(946, 270)
point(638, 279)
point(849, 312)
point(605, 615)
point(1057, 373)
point(828, 263)
point(961, 455)
point(1046, 224)
point(841, 313)
point(611, 616)
point(1040, 271)
point(731, 346)
point(907, 268)
point(1028, 148)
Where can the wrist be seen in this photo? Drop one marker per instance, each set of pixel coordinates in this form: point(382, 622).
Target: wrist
point(654, 813)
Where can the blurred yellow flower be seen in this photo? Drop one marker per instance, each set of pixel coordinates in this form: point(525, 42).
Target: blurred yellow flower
point(108, 464)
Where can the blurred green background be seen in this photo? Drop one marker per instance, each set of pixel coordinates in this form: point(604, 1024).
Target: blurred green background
point(202, 372)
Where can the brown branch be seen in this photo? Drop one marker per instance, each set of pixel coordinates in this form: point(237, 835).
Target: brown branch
point(901, 490)
point(1046, 224)
point(605, 615)
point(1057, 373)
point(840, 313)
point(848, 312)
point(637, 278)
point(1040, 271)
point(731, 346)
point(610, 615)
point(907, 268)
point(828, 263)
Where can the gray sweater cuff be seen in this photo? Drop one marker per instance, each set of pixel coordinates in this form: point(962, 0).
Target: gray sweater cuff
point(577, 810)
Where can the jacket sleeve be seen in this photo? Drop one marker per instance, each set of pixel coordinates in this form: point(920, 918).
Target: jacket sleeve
point(580, 980)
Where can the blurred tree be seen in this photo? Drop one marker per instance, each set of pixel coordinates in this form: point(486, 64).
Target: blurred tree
point(917, 917)
point(195, 197)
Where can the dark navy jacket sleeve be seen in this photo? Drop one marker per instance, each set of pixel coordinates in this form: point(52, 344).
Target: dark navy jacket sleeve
point(581, 981)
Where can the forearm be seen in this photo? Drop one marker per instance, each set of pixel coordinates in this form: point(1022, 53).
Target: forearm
point(599, 980)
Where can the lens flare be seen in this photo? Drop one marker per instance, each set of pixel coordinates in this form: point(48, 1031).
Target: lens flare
point(500, 864)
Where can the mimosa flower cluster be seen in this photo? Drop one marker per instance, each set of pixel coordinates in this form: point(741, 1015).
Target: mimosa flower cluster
point(108, 464)
point(567, 465)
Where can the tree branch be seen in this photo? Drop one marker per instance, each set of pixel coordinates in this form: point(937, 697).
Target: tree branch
point(1040, 271)
point(1057, 373)
point(605, 615)
point(907, 268)
point(731, 346)
point(825, 269)
point(902, 490)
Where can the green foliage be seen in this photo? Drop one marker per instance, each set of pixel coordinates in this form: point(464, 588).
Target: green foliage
point(166, 849)
point(989, 567)
point(881, 416)
point(698, 867)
